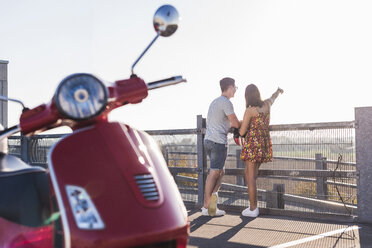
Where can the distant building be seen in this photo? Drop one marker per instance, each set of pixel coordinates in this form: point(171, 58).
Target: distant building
point(4, 92)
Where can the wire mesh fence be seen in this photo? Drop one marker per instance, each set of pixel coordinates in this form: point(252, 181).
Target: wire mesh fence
point(34, 149)
point(180, 151)
point(327, 147)
point(323, 151)
point(313, 168)
point(14, 144)
point(326, 153)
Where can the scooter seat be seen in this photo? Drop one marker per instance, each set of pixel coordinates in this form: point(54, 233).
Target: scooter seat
point(24, 192)
point(10, 165)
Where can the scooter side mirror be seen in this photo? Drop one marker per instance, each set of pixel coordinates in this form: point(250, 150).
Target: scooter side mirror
point(165, 23)
point(166, 20)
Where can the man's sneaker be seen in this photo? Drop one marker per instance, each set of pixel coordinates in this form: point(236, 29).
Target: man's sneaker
point(219, 212)
point(204, 211)
point(247, 212)
point(213, 204)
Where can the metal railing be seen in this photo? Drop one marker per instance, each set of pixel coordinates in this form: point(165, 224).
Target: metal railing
point(305, 176)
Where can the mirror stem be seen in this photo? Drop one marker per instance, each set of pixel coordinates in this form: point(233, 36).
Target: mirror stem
point(147, 48)
point(4, 98)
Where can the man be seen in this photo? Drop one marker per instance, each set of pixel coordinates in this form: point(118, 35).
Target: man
point(220, 118)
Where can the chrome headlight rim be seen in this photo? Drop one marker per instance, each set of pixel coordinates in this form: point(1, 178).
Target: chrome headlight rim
point(69, 78)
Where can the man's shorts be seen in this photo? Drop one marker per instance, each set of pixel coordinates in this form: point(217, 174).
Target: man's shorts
point(217, 154)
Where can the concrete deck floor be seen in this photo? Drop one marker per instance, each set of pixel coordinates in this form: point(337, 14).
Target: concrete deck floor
point(234, 230)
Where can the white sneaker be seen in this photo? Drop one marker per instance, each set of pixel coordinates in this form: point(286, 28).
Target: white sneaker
point(247, 212)
point(204, 211)
point(219, 212)
point(212, 208)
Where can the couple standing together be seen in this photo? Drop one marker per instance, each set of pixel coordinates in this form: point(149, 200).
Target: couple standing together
point(257, 148)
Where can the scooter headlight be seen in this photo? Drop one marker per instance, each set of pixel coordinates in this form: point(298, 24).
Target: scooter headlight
point(81, 96)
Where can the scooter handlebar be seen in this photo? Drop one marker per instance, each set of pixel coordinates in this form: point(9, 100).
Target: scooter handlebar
point(165, 82)
point(9, 131)
point(131, 90)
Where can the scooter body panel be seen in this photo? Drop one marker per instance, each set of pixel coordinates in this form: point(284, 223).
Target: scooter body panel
point(18, 235)
point(105, 160)
point(25, 206)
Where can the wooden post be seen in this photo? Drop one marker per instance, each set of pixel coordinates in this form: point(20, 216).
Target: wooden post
point(321, 182)
point(202, 159)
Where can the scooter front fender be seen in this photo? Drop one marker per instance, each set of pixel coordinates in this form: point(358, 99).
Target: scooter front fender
point(105, 161)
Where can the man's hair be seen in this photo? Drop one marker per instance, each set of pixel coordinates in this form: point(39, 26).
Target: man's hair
point(226, 82)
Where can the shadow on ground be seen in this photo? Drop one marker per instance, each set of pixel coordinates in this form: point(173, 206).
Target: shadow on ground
point(221, 240)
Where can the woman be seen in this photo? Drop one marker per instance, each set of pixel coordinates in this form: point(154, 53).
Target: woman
point(257, 146)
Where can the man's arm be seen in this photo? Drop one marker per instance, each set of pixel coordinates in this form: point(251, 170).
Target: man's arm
point(234, 122)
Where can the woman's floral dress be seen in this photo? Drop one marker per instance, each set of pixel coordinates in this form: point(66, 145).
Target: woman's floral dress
point(257, 147)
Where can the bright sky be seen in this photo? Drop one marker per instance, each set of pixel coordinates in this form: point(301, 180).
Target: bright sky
point(318, 51)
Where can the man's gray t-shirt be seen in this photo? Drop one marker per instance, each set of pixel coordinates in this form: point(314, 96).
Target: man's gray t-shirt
point(218, 124)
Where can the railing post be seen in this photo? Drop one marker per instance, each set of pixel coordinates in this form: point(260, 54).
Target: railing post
point(239, 164)
point(275, 197)
point(321, 182)
point(202, 159)
point(4, 92)
point(24, 149)
point(363, 145)
point(166, 155)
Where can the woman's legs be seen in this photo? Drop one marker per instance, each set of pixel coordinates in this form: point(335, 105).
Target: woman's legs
point(251, 174)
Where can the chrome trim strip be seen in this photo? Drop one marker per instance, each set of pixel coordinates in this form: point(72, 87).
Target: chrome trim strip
point(62, 210)
point(150, 194)
point(154, 198)
point(135, 148)
point(61, 206)
point(66, 228)
point(143, 186)
point(144, 190)
point(165, 82)
point(144, 176)
point(147, 186)
point(146, 181)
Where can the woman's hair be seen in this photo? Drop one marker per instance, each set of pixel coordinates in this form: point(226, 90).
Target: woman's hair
point(253, 96)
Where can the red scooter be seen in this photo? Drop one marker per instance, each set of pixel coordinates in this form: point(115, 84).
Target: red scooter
point(107, 184)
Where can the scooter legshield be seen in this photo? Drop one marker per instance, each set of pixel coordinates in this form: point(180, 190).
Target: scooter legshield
point(109, 161)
